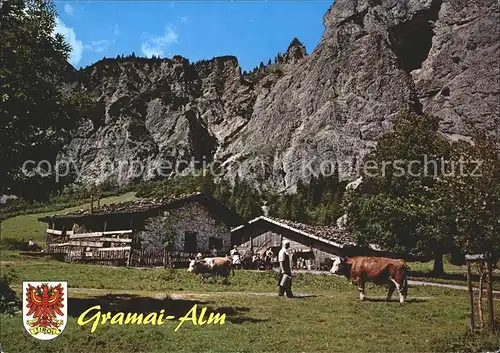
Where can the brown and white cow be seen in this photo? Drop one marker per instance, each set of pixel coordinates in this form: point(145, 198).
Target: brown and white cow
point(211, 266)
point(378, 270)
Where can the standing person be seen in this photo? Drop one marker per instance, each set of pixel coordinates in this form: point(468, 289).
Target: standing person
point(255, 261)
point(284, 258)
point(214, 251)
point(269, 257)
point(235, 255)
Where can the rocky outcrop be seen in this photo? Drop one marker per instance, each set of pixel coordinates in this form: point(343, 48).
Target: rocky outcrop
point(459, 80)
point(158, 116)
point(305, 113)
point(296, 51)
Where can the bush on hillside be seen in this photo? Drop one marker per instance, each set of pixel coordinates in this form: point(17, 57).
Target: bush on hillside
point(10, 304)
point(13, 244)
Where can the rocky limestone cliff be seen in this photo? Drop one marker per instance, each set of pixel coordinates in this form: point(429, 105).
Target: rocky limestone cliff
point(277, 124)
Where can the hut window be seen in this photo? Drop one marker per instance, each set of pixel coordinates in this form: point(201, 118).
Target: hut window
point(212, 241)
point(190, 242)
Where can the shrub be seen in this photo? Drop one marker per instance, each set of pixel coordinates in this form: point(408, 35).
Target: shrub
point(10, 304)
point(464, 342)
point(13, 244)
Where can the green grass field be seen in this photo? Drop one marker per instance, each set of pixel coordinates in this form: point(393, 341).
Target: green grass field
point(330, 320)
point(337, 323)
point(27, 227)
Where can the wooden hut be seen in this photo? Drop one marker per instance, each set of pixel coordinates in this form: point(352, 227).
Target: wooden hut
point(313, 243)
point(122, 233)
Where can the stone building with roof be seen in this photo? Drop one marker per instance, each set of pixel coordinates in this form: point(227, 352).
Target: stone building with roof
point(196, 222)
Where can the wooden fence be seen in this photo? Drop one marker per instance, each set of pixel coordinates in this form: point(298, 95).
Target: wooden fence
point(108, 258)
point(66, 253)
point(177, 259)
point(155, 258)
point(122, 257)
point(147, 258)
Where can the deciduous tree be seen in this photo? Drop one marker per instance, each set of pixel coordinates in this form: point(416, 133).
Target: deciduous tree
point(37, 112)
point(403, 212)
point(470, 188)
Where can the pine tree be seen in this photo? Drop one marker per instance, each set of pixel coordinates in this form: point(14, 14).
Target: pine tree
point(317, 189)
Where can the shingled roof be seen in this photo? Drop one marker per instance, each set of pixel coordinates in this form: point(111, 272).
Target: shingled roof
point(144, 205)
point(331, 235)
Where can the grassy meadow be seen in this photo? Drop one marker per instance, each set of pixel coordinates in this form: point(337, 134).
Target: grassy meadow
point(328, 319)
point(335, 323)
point(26, 226)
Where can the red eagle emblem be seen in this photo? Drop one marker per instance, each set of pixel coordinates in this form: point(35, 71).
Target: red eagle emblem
point(44, 304)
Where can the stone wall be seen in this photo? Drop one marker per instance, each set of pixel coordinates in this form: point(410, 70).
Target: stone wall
point(192, 217)
point(154, 234)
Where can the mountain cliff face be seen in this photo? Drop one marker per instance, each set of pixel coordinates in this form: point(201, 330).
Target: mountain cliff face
point(304, 113)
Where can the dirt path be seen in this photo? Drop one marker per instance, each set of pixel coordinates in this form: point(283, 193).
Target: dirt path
point(444, 285)
point(92, 292)
point(95, 292)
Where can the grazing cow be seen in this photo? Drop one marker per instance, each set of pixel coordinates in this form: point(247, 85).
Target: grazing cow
point(378, 270)
point(211, 267)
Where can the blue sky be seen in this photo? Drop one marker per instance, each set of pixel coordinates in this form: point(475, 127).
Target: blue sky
point(253, 31)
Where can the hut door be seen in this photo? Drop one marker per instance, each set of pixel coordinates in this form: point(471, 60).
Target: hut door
point(190, 242)
point(214, 242)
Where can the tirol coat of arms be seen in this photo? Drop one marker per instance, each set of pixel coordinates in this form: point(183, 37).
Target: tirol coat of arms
point(45, 308)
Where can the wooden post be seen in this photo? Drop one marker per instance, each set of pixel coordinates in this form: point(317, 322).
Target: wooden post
point(471, 298)
point(91, 203)
point(47, 239)
point(129, 256)
point(489, 291)
point(132, 236)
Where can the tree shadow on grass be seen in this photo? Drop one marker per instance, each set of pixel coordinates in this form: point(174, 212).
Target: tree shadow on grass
point(383, 300)
point(130, 304)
